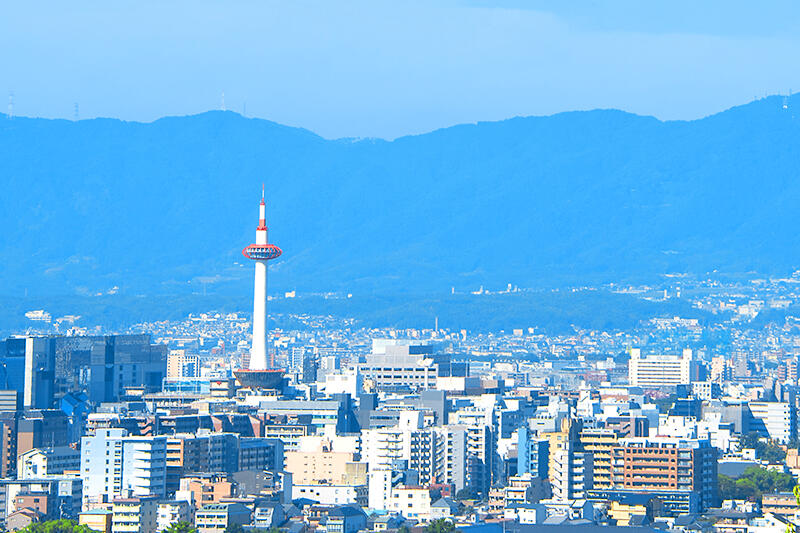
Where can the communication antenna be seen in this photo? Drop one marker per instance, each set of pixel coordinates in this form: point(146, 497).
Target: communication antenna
point(10, 105)
point(76, 114)
point(244, 109)
point(223, 101)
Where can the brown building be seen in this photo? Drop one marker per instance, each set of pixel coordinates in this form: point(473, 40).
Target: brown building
point(21, 519)
point(208, 488)
point(8, 443)
point(779, 503)
point(42, 428)
point(664, 464)
point(41, 502)
point(324, 464)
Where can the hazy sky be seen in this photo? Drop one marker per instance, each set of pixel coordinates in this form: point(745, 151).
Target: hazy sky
point(378, 68)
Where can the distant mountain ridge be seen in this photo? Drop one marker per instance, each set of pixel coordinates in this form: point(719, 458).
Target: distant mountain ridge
point(571, 198)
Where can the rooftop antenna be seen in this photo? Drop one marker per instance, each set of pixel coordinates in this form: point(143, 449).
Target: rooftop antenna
point(223, 101)
point(76, 114)
point(10, 105)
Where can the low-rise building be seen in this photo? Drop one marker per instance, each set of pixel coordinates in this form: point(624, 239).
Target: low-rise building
point(345, 519)
point(97, 520)
point(134, 515)
point(218, 516)
point(172, 512)
point(411, 502)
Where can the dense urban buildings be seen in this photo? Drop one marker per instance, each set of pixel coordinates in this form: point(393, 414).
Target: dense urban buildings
point(346, 428)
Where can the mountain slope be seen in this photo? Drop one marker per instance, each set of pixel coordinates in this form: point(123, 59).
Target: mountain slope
point(583, 196)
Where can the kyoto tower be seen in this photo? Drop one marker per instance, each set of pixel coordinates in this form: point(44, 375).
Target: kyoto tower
point(257, 375)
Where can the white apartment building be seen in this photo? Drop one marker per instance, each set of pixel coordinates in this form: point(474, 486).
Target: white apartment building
point(654, 371)
point(571, 473)
point(411, 502)
point(438, 453)
point(115, 465)
point(774, 420)
point(172, 512)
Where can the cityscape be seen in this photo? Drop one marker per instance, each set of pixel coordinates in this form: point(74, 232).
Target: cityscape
point(518, 267)
point(217, 423)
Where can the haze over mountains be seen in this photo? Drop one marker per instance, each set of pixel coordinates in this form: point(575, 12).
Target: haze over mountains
point(574, 198)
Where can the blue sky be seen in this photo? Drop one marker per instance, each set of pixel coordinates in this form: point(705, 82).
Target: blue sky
point(379, 68)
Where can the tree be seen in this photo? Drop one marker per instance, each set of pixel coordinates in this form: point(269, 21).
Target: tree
point(181, 527)
point(440, 525)
point(754, 482)
point(57, 526)
point(467, 493)
point(765, 449)
point(403, 529)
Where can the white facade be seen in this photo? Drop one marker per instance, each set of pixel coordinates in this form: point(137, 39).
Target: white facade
point(172, 512)
point(332, 494)
point(775, 420)
point(571, 473)
point(349, 381)
point(653, 371)
point(411, 502)
point(114, 465)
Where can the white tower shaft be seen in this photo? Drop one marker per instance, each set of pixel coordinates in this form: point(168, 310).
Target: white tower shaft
point(258, 352)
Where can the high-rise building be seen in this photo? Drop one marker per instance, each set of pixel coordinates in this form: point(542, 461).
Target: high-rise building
point(601, 444)
point(43, 370)
point(115, 465)
point(533, 453)
point(654, 371)
point(665, 465)
point(571, 469)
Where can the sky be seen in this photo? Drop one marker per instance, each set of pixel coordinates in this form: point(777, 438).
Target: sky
point(379, 68)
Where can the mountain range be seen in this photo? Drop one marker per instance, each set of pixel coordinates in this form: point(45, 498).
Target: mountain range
point(103, 206)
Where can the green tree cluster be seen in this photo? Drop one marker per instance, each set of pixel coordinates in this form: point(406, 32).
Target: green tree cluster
point(440, 525)
point(181, 527)
point(57, 526)
point(766, 450)
point(754, 482)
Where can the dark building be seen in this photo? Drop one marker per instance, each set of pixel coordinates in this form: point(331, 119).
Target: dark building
point(28, 367)
point(687, 407)
point(44, 428)
point(43, 370)
point(8, 443)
